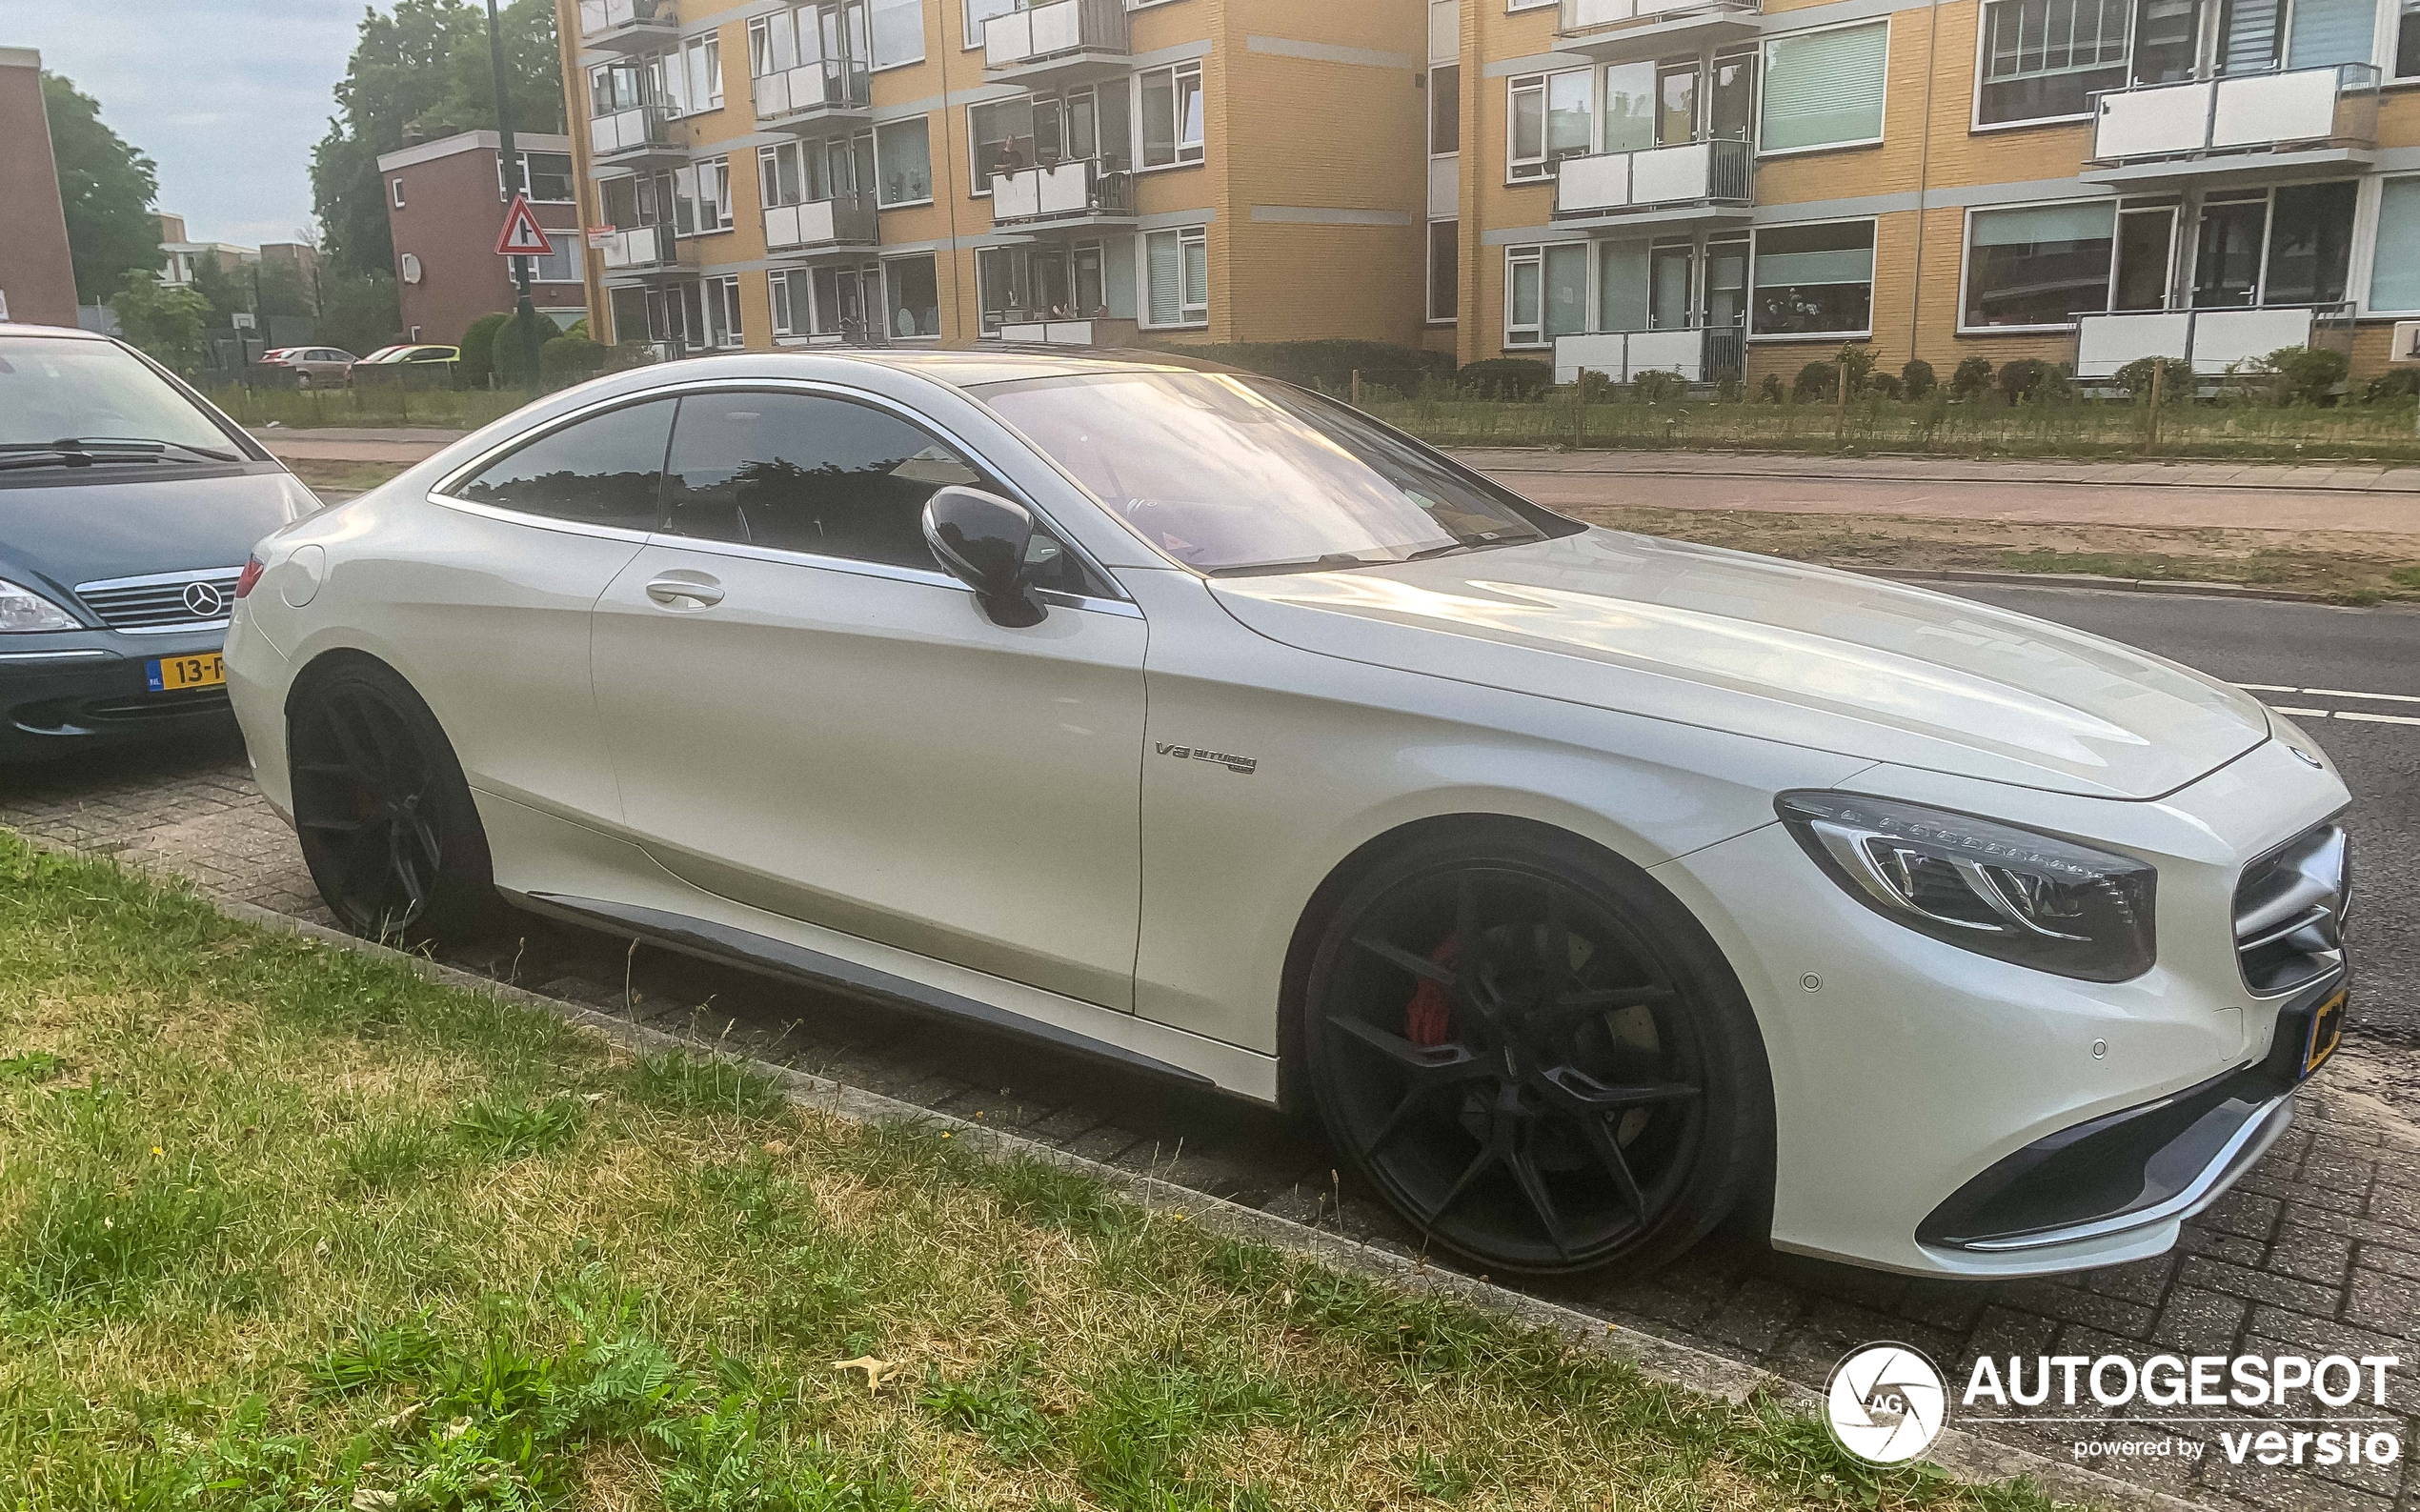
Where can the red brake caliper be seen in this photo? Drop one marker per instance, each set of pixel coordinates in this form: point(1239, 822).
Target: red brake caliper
point(1428, 1020)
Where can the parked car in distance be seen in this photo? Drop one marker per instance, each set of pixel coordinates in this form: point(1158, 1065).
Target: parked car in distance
point(1590, 887)
point(414, 365)
point(312, 367)
point(388, 356)
point(131, 505)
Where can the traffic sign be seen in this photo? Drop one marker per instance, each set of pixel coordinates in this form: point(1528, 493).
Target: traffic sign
point(522, 236)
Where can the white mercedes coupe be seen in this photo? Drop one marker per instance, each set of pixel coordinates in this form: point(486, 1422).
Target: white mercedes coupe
point(1590, 887)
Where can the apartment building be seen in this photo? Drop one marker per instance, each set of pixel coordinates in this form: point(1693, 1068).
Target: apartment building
point(446, 201)
point(957, 171)
point(1711, 186)
point(37, 276)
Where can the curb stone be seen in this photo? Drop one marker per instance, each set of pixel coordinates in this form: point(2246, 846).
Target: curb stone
point(1967, 1456)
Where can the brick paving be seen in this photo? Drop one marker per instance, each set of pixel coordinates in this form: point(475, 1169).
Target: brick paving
point(2316, 1252)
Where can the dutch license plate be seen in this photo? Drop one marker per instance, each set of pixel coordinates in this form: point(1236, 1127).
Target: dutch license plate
point(175, 673)
point(2326, 1029)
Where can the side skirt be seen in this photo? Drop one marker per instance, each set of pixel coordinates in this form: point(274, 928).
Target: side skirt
point(708, 940)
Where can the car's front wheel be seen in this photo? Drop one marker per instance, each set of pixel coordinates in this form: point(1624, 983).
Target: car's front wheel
point(1535, 1055)
point(385, 817)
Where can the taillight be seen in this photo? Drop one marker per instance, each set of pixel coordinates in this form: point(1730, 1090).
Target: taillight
point(253, 567)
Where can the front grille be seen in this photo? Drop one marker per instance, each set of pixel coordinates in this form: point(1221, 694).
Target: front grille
point(164, 601)
point(2290, 912)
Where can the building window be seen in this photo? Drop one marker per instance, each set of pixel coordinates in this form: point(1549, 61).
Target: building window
point(547, 177)
point(1039, 283)
point(1545, 292)
point(2394, 276)
point(702, 198)
point(1824, 89)
point(1444, 270)
point(2408, 42)
point(1549, 121)
point(911, 287)
point(562, 265)
point(2038, 265)
point(1814, 280)
point(898, 28)
point(978, 11)
point(2306, 231)
point(398, 194)
point(2043, 59)
point(701, 69)
point(713, 311)
point(1172, 115)
point(1176, 277)
point(904, 162)
point(1000, 134)
point(1444, 110)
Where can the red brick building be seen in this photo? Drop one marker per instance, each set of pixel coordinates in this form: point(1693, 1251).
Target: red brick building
point(446, 202)
point(37, 277)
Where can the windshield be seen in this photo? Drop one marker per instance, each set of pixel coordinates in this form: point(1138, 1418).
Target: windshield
point(53, 389)
point(1232, 474)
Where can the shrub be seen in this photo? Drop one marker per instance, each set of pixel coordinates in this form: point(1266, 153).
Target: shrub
point(1916, 378)
point(578, 328)
point(567, 359)
point(1729, 388)
point(2022, 378)
point(2395, 383)
point(511, 361)
point(2305, 375)
point(1330, 365)
point(1857, 362)
point(2176, 378)
point(1659, 386)
point(1817, 380)
point(1971, 379)
point(1506, 377)
point(1769, 391)
point(1882, 385)
point(478, 350)
point(1593, 386)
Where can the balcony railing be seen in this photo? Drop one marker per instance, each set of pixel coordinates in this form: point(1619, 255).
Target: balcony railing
point(1079, 190)
point(2212, 340)
point(1697, 353)
point(604, 22)
point(1099, 333)
point(845, 221)
point(647, 128)
point(1580, 17)
point(1720, 172)
point(640, 249)
point(811, 91)
point(1034, 34)
point(2336, 106)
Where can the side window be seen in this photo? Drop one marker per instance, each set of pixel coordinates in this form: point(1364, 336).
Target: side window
point(803, 473)
point(606, 470)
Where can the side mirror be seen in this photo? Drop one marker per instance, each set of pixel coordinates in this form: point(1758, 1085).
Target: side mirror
point(983, 539)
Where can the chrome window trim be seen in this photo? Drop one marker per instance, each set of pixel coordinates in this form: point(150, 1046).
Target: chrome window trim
point(182, 627)
point(1122, 605)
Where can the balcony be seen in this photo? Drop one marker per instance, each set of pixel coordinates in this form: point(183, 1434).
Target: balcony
point(821, 224)
point(2264, 125)
point(1697, 353)
point(1101, 333)
point(1070, 196)
point(628, 26)
point(2212, 340)
point(633, 137)
point(811, 95)
point(1611, 31)
point(1657, 185)
point(1057, 43)
point(640, 251)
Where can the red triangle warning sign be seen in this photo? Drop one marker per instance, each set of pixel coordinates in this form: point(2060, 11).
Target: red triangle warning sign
point(523, 236)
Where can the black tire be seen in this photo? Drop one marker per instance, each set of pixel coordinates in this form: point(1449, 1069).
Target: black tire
point(1534, 1110)
point(385, 817)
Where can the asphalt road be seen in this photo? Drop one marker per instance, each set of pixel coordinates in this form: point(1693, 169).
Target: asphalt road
point(2355, 680)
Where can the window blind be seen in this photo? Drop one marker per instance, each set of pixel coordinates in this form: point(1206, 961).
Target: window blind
point(1165, 273)
point(2039, 224)
point(1824, 86)
point(2328, 31)
point(2394, 280)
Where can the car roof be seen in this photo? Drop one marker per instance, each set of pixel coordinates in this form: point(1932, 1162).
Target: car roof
point(76, 332)
point(1013, 364)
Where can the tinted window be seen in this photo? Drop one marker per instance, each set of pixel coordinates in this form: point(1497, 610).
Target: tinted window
point(606, 470)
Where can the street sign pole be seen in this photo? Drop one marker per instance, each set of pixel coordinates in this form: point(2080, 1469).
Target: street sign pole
point(524, 311)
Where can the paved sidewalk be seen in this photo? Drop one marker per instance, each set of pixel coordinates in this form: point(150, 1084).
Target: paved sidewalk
point(2316, 1252)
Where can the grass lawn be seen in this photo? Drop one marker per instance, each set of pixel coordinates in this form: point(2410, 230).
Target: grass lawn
point(282, 1226)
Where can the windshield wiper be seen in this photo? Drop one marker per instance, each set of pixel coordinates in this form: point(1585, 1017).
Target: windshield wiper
point(110, 448)
point(1483, 543)
point(1307, 564)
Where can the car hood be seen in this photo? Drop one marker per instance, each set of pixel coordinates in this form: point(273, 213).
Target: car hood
point(66, 533)
point(1777, 650)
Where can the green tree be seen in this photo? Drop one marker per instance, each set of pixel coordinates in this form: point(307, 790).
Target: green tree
point(224, 290)
point(359, 312)
point(424, 67)
point(165, 322)
point(106, 188)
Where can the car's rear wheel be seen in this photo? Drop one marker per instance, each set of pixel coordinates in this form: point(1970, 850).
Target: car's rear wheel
point(1535, 1055)
point(385, 817)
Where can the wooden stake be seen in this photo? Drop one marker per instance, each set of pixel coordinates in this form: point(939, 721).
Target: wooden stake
point(2151, 431)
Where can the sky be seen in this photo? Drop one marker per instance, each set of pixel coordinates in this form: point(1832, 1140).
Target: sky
point(227, 97)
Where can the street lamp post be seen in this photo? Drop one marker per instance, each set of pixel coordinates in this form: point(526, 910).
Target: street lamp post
point(524, 312)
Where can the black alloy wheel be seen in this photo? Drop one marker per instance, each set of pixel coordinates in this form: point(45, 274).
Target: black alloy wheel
point(385, 818)
point(1534, 1068)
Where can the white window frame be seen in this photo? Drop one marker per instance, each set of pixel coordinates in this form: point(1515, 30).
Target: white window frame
point(725, 289)
point(504, 187)
point(1543, 83)
point(1429, 267)
point(1966, 262)
point(1764, 70)
point(882, 280)
point(923, 43)
point(903, 204)
point(1534, 255)
point(1516, 7)
point(709, 47)
point(567, 251)
point(689, 183)
point(1982, 32)
point(1187, 318)
point(398, 194)
point(1756, 252)
point(1200, 150)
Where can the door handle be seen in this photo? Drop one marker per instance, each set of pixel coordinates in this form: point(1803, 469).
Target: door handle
point(703, 591)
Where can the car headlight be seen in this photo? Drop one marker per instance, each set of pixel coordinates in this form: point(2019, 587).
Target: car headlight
point(24, 609)
point(1991, 888)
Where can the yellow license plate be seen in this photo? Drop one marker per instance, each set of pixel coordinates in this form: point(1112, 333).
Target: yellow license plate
point(2326, 1030)
point(175, 673)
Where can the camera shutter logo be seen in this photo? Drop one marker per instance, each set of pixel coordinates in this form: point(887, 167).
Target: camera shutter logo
point(205, 602)
point(1886, 1404)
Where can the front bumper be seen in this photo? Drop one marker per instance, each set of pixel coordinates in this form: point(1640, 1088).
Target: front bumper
point(71, 691)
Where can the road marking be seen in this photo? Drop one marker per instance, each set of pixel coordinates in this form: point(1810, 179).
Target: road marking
point(2263, 687)
point(2377, 718)
point(2300, 714)
point(2339, 692)
point(2356, 715)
